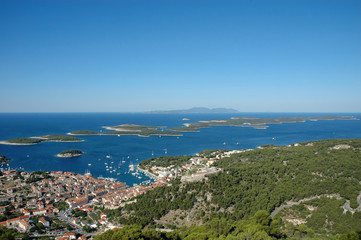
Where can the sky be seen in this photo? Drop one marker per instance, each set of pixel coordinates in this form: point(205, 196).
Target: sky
point(133, 56)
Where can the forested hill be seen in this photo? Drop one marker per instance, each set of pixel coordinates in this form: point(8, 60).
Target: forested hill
point(325, 175)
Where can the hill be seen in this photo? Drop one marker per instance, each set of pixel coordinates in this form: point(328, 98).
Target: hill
point(197, 110)
point(309, 188)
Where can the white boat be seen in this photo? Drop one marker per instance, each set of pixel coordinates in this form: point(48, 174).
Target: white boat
point(131, 167)
point(89, 164)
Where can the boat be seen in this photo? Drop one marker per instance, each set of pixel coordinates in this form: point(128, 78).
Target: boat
point(131, 167)
point(87, 173)
point(152, 153)
point(224, 144)
point(89, 164)
point(237, 143)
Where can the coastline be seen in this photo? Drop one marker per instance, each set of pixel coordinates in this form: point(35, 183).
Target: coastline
point(68, 155)
point(125, 134)
point(147, 173)
point(17, 144)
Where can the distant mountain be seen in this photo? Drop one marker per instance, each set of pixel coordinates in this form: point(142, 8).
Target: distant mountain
point(199, 110)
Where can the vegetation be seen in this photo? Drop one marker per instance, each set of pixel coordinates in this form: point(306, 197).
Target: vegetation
point(61, 205)
point(37, 176)
point(259, 226)
point(184, 129)
point(35, 140)
point(61, 138)
point(253, 122)
point(73, 152)
point(70, 153)
point(10, 234)
point(4, 160)
point(84, 132)
point(164, 161)
point(263, 179)
point(130, 129)
point(25, 140)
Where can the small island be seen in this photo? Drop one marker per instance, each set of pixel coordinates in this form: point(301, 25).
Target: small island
point(70, 153)
point(129, 129)
point(45, 138)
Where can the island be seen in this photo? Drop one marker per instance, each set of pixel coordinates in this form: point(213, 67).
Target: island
point(129, 129)
point(197, 110)
point(70, 153)
point(45, 138)
point(258, 123)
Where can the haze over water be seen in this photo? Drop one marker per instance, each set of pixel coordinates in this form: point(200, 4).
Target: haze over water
point(126, 150)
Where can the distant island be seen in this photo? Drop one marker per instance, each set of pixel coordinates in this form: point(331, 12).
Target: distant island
point(129, 129)
point(258, 123)
point(45, 138)
point(70, 153)
point(196, 110)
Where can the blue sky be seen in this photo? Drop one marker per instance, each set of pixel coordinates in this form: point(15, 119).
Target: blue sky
point(126, 56)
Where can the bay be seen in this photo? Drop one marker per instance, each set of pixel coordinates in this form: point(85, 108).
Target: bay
point(126, 150)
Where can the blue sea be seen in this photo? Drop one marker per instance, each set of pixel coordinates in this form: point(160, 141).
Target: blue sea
point(126, 150)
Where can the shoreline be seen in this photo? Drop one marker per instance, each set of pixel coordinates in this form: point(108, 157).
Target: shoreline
point(126, 134)
point(148, 174)
point(18, 144)
point(68, 155)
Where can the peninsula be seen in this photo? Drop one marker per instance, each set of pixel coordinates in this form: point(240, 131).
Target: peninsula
point(258, 123)
point(45, 138)
point(129, 129)
point(70, 153)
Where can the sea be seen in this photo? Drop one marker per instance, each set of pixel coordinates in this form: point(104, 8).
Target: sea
point(104, 154)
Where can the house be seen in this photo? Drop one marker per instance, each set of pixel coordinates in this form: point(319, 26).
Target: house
point(24, 225)
point(26, 212)
point(39, 212)
point(70, 235)
point(74, 202)
point(44, 222)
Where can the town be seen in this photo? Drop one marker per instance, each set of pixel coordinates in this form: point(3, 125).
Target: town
point(67, 205)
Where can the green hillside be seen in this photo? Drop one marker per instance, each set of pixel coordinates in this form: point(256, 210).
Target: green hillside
point(323, 176)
